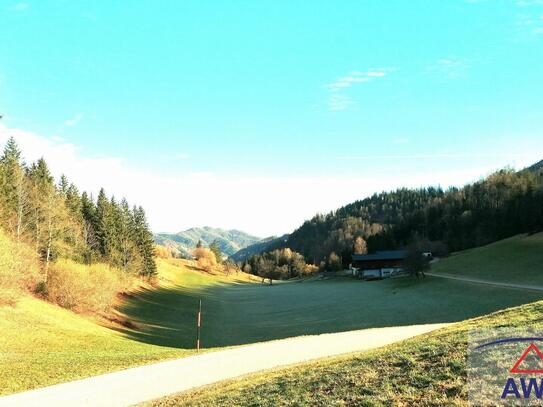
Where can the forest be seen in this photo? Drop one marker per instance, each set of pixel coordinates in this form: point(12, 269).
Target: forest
point(503, 204)
point(58, 224)
point(62, 222)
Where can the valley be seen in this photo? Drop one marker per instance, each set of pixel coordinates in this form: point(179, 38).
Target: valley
point(46, 344)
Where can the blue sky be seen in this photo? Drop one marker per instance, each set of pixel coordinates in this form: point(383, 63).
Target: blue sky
point(377, 94)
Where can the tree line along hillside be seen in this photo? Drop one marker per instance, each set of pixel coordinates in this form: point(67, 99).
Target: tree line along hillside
point(57, 221)
point(504, 204)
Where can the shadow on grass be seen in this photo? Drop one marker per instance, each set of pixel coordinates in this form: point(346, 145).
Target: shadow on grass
point(167, 316)
point(242, 313)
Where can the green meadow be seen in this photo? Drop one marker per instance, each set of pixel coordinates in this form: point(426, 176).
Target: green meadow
point(241, 313)
point(518, 259)
point(43, 344)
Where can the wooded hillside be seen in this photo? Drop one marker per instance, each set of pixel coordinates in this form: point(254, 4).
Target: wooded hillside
point(502, 205)
point(59, 221)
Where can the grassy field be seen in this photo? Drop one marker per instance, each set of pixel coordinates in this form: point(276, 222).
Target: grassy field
point(518, 259)
point(425, 371)
point(237, 313)
point(43, 344)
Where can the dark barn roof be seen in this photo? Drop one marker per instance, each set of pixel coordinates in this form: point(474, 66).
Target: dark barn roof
point(383, 255)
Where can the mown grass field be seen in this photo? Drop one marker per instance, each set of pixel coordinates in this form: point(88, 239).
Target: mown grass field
point(518, 259)
point(241, 313)
point(42, 344)
point(429, 370)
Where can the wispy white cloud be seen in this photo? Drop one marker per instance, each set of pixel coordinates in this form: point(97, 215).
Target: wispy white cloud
point(450, 67)
point(339, 102)
point(525, 17)
point(528, 3)
point(356, 77)
point(432, 156)
point(337, 99)
point(529, 20)
point(74, 120)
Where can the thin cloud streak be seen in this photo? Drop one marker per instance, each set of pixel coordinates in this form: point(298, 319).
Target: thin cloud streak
point(337, 99)
point(450, 67)
point(74, 120)
point(431, 156)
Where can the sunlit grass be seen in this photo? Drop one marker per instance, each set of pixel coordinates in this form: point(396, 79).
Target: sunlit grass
point(43, 344)
point(518, 259)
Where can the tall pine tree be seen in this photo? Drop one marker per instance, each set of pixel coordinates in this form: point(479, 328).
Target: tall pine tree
point(145, 242)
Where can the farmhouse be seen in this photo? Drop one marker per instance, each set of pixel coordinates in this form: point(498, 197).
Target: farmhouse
point(383, 264)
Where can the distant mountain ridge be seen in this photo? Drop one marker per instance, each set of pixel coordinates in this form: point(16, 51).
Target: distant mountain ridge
point(229, 241)
point(264, 245)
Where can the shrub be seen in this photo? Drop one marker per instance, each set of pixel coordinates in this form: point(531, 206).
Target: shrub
point(311, 269)
point(19, 269)
point(334, 262)
point(85, 288)
point(205, 258)
point(163, 252)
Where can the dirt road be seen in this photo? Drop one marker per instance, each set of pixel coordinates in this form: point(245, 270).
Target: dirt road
point(131, 386)
point(487, 282)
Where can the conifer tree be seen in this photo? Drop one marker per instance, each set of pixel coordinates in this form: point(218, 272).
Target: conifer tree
point(63, 185)
point(50, 220)
point(90, 239)
point(214, 247)
point(74, 202)
point(145, 242)
point(128, 253)
point(13, 189)
point(103, 224)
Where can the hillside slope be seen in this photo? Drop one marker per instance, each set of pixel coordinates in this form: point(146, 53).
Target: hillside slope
point(518, 259)
point(537, 167)
point(44, 344)
point(229, 241)
point(501, 205)
point(267, 244)
point(428, 370)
